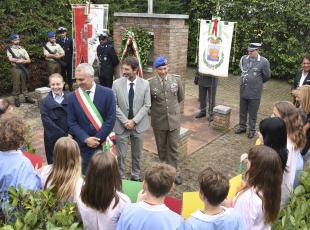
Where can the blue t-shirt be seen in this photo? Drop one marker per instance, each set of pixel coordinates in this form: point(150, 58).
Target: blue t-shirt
point(17, 169)
point(143, 216)
point(227, 219)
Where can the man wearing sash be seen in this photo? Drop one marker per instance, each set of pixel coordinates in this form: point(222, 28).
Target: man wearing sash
point(255, 70)
point(133, 101)
point(91, 113)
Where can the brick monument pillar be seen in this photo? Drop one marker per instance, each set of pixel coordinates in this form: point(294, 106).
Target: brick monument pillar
point(170, 36)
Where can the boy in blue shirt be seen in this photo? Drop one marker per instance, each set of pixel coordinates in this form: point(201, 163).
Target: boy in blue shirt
point(151, 213)
point(213, 191)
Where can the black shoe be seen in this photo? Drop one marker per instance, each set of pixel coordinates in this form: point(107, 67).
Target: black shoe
point(17, 102)
point(240, 130)
point(178, 180)
point(251, 134)
point(29, 100)
point(135, 179)
point(200, 115)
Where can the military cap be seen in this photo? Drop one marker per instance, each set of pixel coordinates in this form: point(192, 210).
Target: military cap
point(61, 29)
point(14, 36)
point(102, 34)
point(50, 34)
point(160, 61)
point(254, 46)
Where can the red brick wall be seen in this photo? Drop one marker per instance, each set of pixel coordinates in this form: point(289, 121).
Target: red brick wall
point(170, 38)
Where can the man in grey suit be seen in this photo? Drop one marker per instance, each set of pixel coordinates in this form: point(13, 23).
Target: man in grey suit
point(133, 102)
point(166, 94)
point(255, 70)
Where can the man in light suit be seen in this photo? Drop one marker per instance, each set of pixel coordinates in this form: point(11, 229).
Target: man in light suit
point(133, 102)
point(88, 134)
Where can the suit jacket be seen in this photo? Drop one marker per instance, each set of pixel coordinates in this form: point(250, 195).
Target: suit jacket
point(80, 126)
point(165, 109)
point(297, 79)
point(54, 119)
point(141, 104)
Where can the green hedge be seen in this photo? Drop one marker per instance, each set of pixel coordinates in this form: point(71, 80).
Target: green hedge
point(283, 27)
point(32, 19)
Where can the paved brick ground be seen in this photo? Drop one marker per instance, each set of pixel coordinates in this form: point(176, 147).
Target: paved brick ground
point(221, 154)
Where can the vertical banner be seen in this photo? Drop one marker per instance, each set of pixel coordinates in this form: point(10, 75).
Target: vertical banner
point(214, 47)
point(89, 20)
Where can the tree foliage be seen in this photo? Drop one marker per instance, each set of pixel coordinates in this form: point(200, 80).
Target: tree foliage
point(282, 26)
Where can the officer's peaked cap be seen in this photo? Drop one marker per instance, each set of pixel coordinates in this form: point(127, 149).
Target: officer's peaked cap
point(254, 46)
point(62, 29)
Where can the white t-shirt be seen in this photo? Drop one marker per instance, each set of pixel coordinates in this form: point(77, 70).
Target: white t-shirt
point(249, 206)
point(45, 172)
point(96, 220)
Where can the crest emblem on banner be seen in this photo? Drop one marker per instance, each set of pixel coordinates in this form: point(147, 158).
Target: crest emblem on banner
point(213, 55)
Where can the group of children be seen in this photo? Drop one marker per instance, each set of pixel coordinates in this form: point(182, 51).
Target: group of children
point(102, 205)
point(272, 170)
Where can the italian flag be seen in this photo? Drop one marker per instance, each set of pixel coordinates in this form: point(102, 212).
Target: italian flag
point(95, 118)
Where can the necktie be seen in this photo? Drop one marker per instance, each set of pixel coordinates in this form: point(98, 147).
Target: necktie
point(163, 83)
point(131, 95)
point(88, 92)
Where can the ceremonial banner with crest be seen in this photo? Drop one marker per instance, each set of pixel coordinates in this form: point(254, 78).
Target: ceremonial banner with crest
point(214, 47)
point(88, 21)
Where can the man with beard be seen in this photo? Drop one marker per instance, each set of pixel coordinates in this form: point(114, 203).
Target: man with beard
point(133, 102)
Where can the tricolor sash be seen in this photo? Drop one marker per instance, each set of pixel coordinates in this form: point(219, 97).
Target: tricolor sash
point(94, 117)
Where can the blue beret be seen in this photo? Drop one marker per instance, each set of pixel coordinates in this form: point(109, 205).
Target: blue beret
point(50, 34)
point(160, 61)
point(14, 36)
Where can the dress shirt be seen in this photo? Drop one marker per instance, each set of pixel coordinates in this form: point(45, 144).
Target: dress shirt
point(57, 98)
point(92, 91)
point(303, 77)
point(134, 85)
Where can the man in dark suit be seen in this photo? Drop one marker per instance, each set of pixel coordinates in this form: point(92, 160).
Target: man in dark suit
point(67, 45)
point(133, 101)
point(303, 76)
point(207, 91)
point(91, 113)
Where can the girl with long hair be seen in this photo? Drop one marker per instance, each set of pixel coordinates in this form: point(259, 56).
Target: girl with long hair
point(101, 201)
point(64, 175)
point(258, 203)
point(302, 95)
point(296, 138)
point(272, 133)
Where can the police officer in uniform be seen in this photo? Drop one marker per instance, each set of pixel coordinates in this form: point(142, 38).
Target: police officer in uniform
point(255, 70)
point(57, 53)
point(67, 45)
point(166, 94)
point(19, 75)
point(108, 60)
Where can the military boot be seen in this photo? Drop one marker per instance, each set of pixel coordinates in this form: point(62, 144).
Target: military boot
point(29, 100)
point(16, 102)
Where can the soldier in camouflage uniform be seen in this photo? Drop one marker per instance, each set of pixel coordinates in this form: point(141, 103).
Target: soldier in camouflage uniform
point(19, 76)
point(166, 94)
